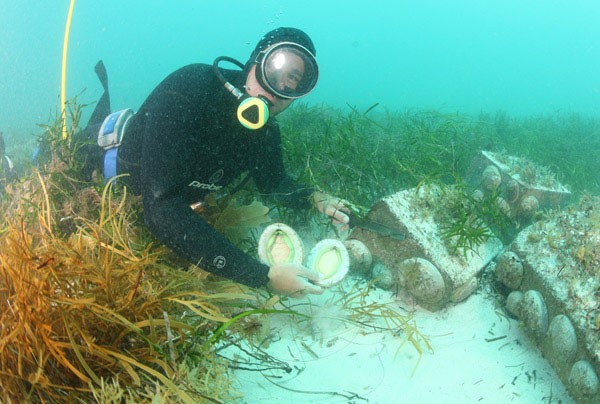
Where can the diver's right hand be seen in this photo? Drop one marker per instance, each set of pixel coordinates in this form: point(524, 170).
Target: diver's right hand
point(294, 280)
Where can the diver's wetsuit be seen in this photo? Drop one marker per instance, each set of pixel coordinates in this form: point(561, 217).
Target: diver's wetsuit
point(186, 141)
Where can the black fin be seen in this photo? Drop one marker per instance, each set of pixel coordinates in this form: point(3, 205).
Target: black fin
point(102, 109)
point(90, 153)
point(101, 73)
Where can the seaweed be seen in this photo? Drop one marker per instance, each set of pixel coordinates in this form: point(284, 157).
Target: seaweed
point(93, 308)
point(356, 306)
point(466, 233)
point(363, 156)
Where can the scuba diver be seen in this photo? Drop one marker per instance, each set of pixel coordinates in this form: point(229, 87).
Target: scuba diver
point(199, 130)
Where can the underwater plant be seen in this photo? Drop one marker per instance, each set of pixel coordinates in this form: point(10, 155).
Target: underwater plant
point(465, 219)
point(465, 233)
point(363, 156)
point(355, 306)
point(93, 308)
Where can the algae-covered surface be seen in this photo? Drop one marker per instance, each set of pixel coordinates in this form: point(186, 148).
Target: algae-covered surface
point(564, 251)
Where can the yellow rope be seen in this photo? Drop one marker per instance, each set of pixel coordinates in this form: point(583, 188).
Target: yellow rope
point(63, 79)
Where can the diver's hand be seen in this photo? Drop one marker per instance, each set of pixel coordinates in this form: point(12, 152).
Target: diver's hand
point(294, 280)
point(333, 207)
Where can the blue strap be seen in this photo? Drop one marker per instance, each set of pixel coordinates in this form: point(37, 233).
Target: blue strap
point(113, 128)
point(111, 120)
point(110, 165)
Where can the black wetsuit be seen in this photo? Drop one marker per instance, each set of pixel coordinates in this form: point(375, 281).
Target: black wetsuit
point(186, 141)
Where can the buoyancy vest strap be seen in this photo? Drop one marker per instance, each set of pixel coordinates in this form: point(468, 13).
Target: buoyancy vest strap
point(109, 138)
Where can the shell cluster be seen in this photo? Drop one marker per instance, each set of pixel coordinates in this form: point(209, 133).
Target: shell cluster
point(583, 378)
point(465, 290)
point(382, 276)
point(534, 313)
point(563, 338)
point(511, 199)
point(528, 206)
point(557, 333)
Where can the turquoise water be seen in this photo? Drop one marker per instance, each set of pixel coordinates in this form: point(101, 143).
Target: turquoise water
point(542, 57)
point(533, 57)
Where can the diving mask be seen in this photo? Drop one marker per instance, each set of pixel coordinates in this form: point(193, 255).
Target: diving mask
point(287, 70)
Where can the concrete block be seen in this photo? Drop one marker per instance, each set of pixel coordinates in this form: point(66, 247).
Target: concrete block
point(559, 264)
point(521, 187)
point(422, 265)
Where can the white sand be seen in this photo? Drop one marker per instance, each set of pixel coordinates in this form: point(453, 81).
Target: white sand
point(353, 364)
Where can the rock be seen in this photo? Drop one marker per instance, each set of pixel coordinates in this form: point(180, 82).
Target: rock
point(410, 212)
point(522, 189)
point(549, 252)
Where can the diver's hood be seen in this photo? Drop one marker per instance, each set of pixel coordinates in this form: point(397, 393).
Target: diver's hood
point(282, 34)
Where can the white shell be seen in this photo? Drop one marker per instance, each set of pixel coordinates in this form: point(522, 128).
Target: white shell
point(504, 206)
point(534, 312)
point(423, 281)
point(513, 303)
point(563, 338)
point(583, 378)
point(491, 178)
point(279, 244)
point(360, 256)
point(478, 195)
point(513, 191)
point(463, 291)
point(509, 270)
point(330, 258)
point(382, 276)
point(528, 206)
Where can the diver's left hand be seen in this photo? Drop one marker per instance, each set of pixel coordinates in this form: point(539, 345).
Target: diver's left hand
point(335, 208)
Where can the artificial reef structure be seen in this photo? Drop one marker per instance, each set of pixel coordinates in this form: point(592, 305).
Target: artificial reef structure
point(511, 220)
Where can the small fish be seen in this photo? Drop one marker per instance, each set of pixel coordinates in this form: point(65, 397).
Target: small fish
point(375, 227)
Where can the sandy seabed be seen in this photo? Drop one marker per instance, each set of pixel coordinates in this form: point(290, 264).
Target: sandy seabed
point(479, 355)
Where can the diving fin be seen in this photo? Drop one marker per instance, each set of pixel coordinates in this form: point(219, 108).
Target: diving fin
point(102, 75)
point(102, 109)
